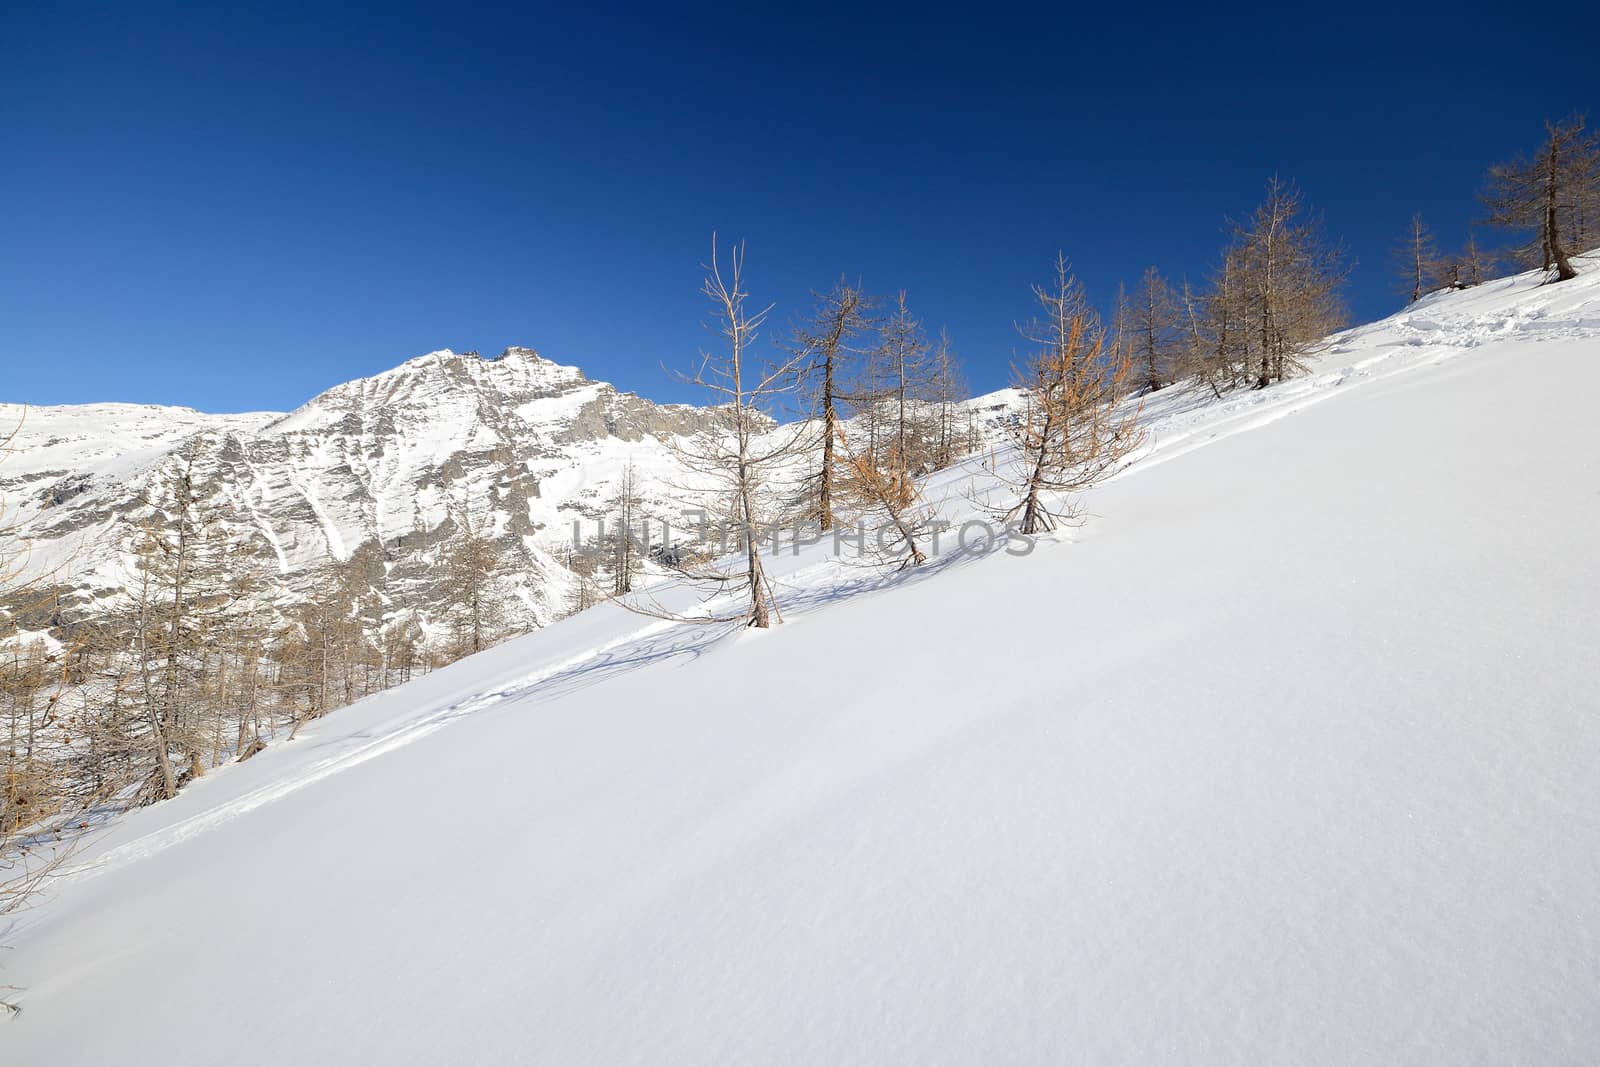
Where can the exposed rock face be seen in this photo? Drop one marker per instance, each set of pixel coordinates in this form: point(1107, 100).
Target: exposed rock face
point(389, 466)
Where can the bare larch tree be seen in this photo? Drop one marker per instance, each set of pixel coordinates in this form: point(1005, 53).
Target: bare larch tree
point(840, 317)
point(742, 453)
point(1153, 324)
point(1288, 283)
point(1417, 260)
point(471, 564)
point(949, 439)
point(904, 351)
point(625, 544)
point(1073, 430)
point(886, 485)
point(1477, 263)
point(1551, 194)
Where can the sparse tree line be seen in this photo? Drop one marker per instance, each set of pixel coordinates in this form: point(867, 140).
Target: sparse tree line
point(1272, 299)
point(842, 418)
point(880, 401)
point(843, 415)
point(1549, 202)
point(192, 667)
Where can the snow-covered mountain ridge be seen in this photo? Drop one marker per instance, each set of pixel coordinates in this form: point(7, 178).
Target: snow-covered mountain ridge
point(519, 445)
point(1286, 756)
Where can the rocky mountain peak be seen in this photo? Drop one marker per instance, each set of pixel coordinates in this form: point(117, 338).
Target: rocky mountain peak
point(394, 463)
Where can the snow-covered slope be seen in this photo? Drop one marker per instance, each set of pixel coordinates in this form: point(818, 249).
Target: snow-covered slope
point(1288, 755)
point(104, 441)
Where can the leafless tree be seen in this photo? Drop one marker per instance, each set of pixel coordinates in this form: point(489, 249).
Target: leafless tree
point(146, 631)
point(904, 352)
point(1199, 355)
point(830, 338)
point(1552, 194)
point(586, 591)
point(949, 441)
point(248, 632)
point(886, 486)
point(1119, 345)
point(1283, 280)
point(1073, 430)
point(742, 453)
point(1418, 262)
point(1153, 326)
point(329, 653)
point(403, 644)
point(1477, 263)
point(623, 545)
point(472, 564)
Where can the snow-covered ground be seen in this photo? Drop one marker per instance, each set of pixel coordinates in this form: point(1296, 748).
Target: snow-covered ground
point(1290, 754)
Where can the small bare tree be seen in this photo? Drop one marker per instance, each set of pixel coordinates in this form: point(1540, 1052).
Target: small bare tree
point(840, 317)
point(1477, 263)
point(471, 564)
point(248, 630)
point(585, 592)
point(886, 486)
point(1198, 354)
point(1153, 327)
point(1222, 349)
point(949, 439)
point(742, 453)
point(1417, 260)
point(1120, 343)
point(623, 546)
point(1073, 430)
point(903, 349)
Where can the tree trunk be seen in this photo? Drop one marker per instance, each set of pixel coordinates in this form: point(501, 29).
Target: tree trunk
point(1035, 519)
point(158, 736)
point(830, 418)
point(759, 617)
point(918, 557)
point(1554, 253)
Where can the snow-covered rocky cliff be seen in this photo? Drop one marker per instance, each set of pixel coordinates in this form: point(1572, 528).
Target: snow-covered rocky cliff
point(392, 465)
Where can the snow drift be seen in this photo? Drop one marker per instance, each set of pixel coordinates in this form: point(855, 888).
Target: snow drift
point(1290, 754)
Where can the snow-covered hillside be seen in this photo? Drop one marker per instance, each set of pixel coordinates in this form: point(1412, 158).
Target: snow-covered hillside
point(1290, 754)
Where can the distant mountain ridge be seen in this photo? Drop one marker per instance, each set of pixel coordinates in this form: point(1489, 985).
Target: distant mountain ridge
point(523, 445)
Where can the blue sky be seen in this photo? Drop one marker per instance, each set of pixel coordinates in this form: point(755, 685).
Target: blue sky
point(235, 209)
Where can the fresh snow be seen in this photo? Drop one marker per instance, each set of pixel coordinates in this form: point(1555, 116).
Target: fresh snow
point(1289, 754)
